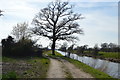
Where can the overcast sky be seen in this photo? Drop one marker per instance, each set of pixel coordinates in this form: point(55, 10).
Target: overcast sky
point(100, 24)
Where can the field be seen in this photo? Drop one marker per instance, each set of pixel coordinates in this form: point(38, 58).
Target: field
point(31, 67)
point(109, 54)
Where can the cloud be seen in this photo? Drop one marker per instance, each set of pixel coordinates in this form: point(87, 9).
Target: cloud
point(96, 4)
point(17, 11)
point(94, 0)
point(98, 26)
point(17, 8)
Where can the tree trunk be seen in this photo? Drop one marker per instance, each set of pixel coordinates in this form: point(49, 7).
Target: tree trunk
point(53, 48)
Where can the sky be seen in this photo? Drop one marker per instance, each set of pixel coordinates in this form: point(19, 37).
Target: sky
point(100, 24)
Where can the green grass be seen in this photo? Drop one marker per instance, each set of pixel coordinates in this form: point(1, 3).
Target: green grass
point(39, 69)
point(12, 75)
point(38, 66)
point(0, 58)
point(94, 72)
point(49, 53)
point(113, 55)
point(9, 59)
point(109, 54)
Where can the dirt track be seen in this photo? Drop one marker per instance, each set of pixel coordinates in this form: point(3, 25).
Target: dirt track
point(55, 69)
point(58, 66)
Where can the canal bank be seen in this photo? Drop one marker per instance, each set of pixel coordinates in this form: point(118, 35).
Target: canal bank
point(108, 67)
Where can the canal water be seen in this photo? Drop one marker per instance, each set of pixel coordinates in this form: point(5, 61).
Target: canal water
point(108, 67)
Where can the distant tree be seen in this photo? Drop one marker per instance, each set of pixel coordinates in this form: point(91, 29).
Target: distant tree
point(57, 22)
point(20, 31)
point(96, 49)
point(3, 41)
point(64, 47)
point(22, 48)
point(7, 45)
point(1, 12)
point(10, 40)
point(81, 49)
point(7, 42)
point(113, 47)
point(85, 47)
point(70, 49)
point(90, 50)
point(104, 47)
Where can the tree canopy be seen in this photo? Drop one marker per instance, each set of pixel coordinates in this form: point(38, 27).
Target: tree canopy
point(57, 22)
point(21, 31)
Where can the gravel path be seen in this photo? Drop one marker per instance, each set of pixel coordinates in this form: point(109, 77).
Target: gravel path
point(58, 66)
point(55, 69)
point(76, 72)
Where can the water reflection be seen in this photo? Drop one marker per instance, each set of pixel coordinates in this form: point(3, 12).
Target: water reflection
point(108, 67)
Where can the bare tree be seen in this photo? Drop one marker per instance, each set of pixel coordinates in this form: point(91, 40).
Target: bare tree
point(20, 31)
point(57, 22)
